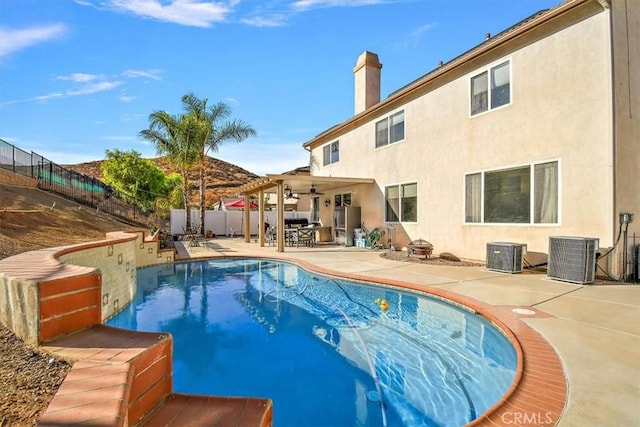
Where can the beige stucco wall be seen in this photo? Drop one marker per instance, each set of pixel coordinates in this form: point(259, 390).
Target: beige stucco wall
point(19, 306)
point(561, 110)
point(117, 259)
point(117, 264)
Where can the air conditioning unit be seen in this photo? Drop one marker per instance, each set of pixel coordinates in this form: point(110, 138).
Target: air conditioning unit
point(572, 259)
point(505, 256)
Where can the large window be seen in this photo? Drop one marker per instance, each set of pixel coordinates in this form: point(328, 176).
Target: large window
point(390, 129)
point(331, 153)
point(401, 203)
point(491, 88)
point(520, 195)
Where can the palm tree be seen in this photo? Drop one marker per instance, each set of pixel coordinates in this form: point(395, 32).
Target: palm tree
point(175, 137)
point(212, 130)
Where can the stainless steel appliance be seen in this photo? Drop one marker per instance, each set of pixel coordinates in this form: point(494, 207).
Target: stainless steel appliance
point(345, 220)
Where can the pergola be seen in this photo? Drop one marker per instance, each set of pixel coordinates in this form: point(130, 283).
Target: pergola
point(296, 184)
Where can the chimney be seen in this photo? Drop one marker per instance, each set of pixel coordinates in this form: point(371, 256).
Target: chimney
point(367, 81)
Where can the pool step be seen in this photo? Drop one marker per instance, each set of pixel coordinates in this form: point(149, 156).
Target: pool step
point(180, 410)
point(121, 377)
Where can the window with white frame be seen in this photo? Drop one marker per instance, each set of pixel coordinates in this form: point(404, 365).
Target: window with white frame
point(519, 195)
point(491, 88)
point(401, 203)
point(331, 153)
point(390, 129)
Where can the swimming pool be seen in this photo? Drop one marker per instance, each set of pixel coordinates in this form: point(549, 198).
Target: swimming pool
point(327, 351)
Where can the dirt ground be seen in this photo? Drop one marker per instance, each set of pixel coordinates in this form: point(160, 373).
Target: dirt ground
point(433, 260)
point(31, 220)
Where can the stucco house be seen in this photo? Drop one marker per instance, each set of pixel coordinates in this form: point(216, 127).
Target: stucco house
point(533, 133)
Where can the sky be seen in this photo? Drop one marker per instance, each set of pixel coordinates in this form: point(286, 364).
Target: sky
point(78, 77)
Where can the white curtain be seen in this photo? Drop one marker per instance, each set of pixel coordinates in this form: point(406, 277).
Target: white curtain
point(473, 198)
point(546, 193)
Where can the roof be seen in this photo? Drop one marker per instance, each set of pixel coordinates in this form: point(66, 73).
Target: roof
point(554, 18)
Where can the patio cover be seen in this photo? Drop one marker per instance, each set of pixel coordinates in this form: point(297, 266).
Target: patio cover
point(298, 184)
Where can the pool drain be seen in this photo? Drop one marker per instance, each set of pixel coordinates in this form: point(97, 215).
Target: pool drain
point(373, 396)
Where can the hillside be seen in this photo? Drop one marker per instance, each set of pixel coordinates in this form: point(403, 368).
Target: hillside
point(32, 219)
point(223, 179)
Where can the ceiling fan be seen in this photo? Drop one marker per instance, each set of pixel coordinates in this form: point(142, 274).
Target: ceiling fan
point(288, 194)
point(313, 192)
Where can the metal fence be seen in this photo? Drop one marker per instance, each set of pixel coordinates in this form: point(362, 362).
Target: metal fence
point(81, 188)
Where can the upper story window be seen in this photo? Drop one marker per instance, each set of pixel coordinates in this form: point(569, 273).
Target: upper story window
point(390, 129)
point(401, 203)
point(331, 153)
point(491, 88)
point(520, 195)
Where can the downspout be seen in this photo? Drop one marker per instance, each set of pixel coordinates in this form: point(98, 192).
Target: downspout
point(606, 6)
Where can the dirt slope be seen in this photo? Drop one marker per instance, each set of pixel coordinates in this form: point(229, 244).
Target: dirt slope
point(32, 219)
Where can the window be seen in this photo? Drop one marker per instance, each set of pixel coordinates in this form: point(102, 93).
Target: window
point(483, 99)
point(401, 203)
point(520, 195)
point(342, 199)
point(330, 153)
point(390, 129)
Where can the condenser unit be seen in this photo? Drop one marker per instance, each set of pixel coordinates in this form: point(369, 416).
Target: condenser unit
point(505, 256)
point(572, 259)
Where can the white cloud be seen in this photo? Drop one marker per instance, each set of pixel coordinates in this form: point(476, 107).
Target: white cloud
point(194, 13)
point(275, 20)
point(149, 74)
point(304, 5)
point(81, 77)
point(206, 13)
point(87, 84)
point(415, 36)
point(43, 98)
point(16, 40)
point(94, 88)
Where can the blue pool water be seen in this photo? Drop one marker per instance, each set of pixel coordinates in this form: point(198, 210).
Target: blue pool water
point(322, 348)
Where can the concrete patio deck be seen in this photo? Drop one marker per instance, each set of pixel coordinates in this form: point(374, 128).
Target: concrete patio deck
point(594, 328)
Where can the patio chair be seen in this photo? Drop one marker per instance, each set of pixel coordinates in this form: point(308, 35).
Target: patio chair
point(271, 236)
point(192, 235)
point(305, 236)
